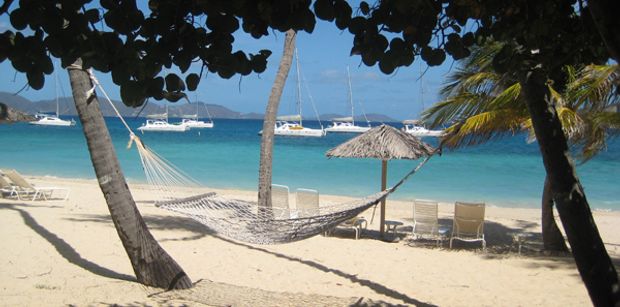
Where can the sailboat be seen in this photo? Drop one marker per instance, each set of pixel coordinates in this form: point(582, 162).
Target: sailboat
point(347, 124)
point(159, 123)
point(193, 122)
point(50, 119)
point(291, 125)
point(416, 127)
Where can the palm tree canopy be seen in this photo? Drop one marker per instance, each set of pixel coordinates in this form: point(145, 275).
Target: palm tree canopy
point(382, 142)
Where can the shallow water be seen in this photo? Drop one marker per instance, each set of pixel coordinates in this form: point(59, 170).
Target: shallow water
point(506, 173)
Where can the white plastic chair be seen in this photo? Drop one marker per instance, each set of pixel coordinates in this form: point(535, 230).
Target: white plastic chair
point(426, 221)
point(307, 202)
point(468, 223)
point(24, 187)
point(279, 201)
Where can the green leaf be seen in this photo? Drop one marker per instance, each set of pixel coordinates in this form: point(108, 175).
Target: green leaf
point(19, 18)
point(174, 83)
point(192, 81)
point(36, 80)
point(324, 9)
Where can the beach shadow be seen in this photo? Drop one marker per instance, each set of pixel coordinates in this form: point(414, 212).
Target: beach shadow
point(160, 223)
point(378, 288)
point(187, 224)
point(66, 250)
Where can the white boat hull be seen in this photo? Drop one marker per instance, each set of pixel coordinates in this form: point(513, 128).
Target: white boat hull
point(53, 121)
point(197, 124)
point(345, 129)
point(294, 129)
point(162, 126)
point(422, 132)
point(307, 132)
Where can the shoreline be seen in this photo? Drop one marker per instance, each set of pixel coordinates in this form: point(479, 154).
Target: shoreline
point(68, 252)
point(534, 204)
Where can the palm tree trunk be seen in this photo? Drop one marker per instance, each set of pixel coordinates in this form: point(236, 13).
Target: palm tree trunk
point(553, 240)
point(151, 264)
point(591, 258)
point(266, 145)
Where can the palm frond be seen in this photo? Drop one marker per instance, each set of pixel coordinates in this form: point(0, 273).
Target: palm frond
point(453, 109)
point(594, 87)
point(508, 98)
point(484, 126)
point(572, 124)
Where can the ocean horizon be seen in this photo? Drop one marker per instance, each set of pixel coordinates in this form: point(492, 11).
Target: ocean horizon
point(507, 172)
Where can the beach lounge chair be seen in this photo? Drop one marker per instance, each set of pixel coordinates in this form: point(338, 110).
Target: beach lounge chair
point(30, 192)
point(7, 189)
point(426, 221)
point(279, 201)
point(468, 223)
point(307, 202)
point(357, 223)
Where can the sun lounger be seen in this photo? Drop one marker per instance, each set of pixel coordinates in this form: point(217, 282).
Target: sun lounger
point(426, 221)
point(357, 223)
point(468, 223)
point(307, 202)
point(7, 189)
point(28, 191)
point(279, 201)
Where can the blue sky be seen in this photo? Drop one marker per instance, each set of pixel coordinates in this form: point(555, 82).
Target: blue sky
point(324, 57)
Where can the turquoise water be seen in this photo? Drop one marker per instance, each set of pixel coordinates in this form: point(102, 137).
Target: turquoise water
point(505, 173)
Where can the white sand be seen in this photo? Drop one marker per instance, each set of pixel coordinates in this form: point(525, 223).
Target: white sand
point(59, 253)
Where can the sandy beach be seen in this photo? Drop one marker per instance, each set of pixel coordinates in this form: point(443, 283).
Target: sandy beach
point(68, 253)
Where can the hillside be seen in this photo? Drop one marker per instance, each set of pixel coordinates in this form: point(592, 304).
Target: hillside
point(10, 115)
point(67, 107)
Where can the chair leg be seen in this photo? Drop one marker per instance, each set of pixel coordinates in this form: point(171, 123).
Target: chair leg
point(451, 242)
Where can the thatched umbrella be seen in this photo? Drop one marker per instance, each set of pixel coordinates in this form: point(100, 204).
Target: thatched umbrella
point(386, 143)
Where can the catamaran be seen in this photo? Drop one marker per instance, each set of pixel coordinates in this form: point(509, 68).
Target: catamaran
point(44, 119)
point(159, 123)
point(292, 125)
point(51, 120)
point(347, 124)
point(192, 121)
point(415, 128)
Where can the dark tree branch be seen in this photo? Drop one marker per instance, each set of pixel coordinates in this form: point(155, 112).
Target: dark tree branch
point(5, 6)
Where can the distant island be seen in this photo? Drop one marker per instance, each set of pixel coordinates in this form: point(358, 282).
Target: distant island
point(67, 107)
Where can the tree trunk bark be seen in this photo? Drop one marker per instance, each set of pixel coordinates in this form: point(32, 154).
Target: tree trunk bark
point(151, 264)
point(605, 16)
point(591, 258)
point(553, 240)
point(266, 145)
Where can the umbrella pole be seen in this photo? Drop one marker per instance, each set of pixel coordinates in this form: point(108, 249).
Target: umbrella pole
point(383, 186)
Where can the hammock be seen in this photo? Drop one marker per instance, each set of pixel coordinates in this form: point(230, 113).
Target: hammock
point(239, 219)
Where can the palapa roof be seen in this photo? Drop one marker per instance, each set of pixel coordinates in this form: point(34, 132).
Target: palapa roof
point(382, 142)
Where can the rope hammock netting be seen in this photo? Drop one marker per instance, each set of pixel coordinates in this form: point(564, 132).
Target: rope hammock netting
point(239, 219)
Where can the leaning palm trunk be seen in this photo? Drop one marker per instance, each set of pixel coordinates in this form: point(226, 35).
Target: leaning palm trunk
point(593, 262)
point(266, 145)
point(151, 264)
point(553, 241)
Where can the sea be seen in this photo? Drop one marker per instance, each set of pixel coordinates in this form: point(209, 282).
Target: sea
point(507, 172)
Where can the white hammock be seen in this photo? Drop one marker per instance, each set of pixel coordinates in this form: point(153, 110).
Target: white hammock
point(238, 219)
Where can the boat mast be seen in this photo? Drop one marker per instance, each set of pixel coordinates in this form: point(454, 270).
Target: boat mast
point(298, 87)
point(56, 92)
point(421, 90)
point(351, 97)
